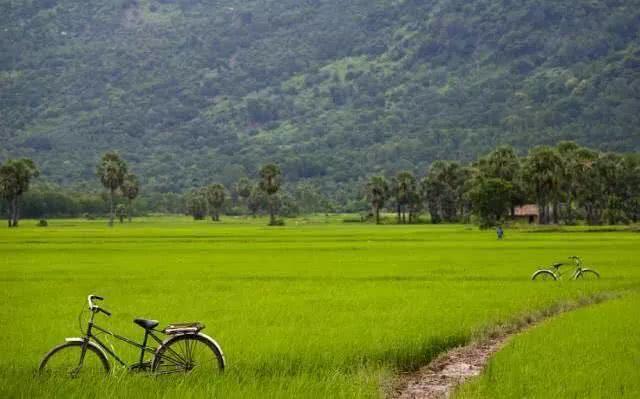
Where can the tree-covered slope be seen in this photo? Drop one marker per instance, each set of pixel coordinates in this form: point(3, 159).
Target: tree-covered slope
point(191, 91)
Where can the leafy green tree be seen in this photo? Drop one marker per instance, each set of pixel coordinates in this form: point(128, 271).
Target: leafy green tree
point(215, 198)
point(130, 189)
point(196, 202)
point(121, 212)
point(589, 185)
point(631, 190)
point(111, 171)
point(404, 190)
point(572, 168)
point(610, 168)
point(542, 173)
point(377, 191)
point(15, 178)
point(491, 198)
point(270, 181)
point(257, 200)
point(443, 190)
point(243, 189)
point(503, 163)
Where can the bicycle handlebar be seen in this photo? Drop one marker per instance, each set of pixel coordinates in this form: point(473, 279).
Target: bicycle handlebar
point(576, 259)
point(99, 309)
point(96, 308)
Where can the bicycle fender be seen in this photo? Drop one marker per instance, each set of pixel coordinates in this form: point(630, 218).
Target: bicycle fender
point(91, 344)
point(214, 343)
point(205, 336)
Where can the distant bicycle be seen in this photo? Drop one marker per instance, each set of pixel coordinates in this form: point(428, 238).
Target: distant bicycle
point(186, 350)
point(554, 273)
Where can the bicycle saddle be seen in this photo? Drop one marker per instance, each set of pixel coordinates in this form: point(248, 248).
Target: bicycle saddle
point(146, 324)
point(557, 265)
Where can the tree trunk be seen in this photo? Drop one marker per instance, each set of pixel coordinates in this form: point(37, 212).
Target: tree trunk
point(398, 210)
point(110, 208)
point(14, 212)
point(272, 219)
point(129, 209)
point(556, 211)
point(569, 214)
point(10, 214)
point(542, 212)
point(376, 210)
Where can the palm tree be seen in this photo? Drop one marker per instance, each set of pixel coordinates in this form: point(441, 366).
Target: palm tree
point(543, 171)
point(243, 189)
point(130, 189)
point(377, 192)
point(406, 189)
point(111, 170)
point(270, 176)
point(196, 203)
point(215, 199)
point(503, 163)
point(15, 177)
point(444, 189)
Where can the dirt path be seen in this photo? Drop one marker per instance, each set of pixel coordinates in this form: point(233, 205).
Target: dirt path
point(440, 377)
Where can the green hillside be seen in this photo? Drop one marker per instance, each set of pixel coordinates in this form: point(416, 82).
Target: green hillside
point(191, 91)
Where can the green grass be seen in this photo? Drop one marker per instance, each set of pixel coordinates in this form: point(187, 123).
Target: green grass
point(590, 353)
point(317, 308)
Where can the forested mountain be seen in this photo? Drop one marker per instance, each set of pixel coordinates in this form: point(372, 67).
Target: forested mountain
point(194, 91)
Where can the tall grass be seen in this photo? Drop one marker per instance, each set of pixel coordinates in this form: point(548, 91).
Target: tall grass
point(317, 308)
point(590, 353)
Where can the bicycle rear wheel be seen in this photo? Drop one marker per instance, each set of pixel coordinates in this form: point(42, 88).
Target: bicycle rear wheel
point(588, 274)
point(64, 361)
point(188, 353)
point(543, 275)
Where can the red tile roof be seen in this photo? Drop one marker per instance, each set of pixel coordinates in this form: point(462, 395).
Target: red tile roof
point(527, 210)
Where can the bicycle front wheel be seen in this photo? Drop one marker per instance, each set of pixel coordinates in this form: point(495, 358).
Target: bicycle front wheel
point(188, 353)
point(64, 360)
point(587, 274)
point(543, 275)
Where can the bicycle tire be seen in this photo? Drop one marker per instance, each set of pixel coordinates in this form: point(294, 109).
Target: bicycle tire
point(543, 275)
point(588, 274)
point(178, 355)
point(58, 365)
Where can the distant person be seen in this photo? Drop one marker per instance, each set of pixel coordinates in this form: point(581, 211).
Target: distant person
point(500, 232)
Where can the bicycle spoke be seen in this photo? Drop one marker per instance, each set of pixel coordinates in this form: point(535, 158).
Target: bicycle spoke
point(187, 354)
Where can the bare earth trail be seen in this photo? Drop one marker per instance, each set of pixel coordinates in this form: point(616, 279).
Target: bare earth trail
point(441, 376)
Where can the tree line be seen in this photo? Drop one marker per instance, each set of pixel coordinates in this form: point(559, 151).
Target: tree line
point(566, 183)
point(210, 200)
point(16, 176)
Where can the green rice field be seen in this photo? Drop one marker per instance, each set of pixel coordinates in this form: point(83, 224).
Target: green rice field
point(317, 308)
point(589, 353)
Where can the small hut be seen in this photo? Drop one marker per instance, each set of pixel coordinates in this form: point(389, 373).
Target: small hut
point(528, 213)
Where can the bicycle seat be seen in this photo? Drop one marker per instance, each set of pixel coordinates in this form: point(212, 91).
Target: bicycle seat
point(557, 265)
point(146, 324)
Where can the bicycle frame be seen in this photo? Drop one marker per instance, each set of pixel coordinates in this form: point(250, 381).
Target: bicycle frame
point(577, 262)
point(143, 347)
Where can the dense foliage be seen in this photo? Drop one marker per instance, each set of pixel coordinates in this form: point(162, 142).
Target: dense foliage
point(566, 182)
point(329, 90)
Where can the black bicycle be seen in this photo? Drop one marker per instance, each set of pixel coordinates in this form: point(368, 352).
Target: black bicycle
point(186, 350)
point(579, 273)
